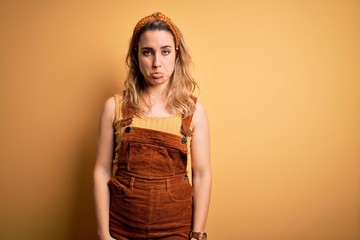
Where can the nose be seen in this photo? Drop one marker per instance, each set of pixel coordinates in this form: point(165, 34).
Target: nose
point(156, 61)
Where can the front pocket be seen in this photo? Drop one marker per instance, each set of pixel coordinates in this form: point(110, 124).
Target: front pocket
point(150, 159)
point(118, 188)
point(180, 190)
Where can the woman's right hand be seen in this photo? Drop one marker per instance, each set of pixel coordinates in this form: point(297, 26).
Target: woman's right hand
point(107, 238)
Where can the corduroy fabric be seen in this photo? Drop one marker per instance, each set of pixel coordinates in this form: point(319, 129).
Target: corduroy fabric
point(164, 124)
point(151, 197)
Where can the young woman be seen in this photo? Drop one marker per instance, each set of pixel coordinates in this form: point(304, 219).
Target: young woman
point(142, 186)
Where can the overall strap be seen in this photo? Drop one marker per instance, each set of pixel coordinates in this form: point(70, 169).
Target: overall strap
point(127, 115)
point(186, 123)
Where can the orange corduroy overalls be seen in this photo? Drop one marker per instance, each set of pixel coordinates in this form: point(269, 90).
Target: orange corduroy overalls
point(151, 197)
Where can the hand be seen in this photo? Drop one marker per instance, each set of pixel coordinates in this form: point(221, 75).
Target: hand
point(107, 238)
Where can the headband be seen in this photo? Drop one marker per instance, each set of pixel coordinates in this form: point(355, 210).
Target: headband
point(158, 17)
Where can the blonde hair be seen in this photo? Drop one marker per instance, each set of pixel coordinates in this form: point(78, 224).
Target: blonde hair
point(181, 84)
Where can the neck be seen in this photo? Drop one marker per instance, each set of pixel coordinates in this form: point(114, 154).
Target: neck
point(156, 101)
point(157, 92)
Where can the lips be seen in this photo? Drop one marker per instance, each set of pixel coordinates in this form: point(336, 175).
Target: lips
point(157, 75)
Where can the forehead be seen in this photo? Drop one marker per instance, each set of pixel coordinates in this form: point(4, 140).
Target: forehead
point(156, 38)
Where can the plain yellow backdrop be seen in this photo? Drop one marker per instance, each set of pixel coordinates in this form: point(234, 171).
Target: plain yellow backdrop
point(280, 81)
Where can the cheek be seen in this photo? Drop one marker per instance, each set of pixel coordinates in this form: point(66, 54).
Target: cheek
point(143, 64)
point(171, 64)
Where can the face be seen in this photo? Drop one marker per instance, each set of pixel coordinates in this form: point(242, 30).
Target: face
point(156, 56)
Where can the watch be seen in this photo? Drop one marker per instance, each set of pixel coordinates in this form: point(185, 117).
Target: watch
point(198, 235)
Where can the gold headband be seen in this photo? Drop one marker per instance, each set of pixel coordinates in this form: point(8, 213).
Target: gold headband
point(157, 17)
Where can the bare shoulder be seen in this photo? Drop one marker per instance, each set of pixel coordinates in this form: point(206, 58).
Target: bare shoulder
point(200, 116)
point(108, 110)
point(109, 104)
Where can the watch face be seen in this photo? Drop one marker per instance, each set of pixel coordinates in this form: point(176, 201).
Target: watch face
point(204, 236)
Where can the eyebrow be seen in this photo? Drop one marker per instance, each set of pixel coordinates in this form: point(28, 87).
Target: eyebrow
point(150, 48)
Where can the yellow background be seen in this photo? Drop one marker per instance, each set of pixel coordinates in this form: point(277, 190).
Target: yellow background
point(280, 81)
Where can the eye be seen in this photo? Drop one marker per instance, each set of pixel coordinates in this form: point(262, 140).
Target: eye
point(146, 52)
point(166, 52)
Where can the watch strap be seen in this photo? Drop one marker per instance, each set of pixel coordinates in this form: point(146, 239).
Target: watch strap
point(197, 235)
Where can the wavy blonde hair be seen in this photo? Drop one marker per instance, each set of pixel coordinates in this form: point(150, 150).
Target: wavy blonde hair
point(181, 84)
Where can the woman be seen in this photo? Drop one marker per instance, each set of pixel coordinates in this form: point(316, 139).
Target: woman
point(141, 185)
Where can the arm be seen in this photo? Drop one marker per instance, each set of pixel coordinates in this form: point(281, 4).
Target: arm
point(102, 169)
point(200, 157)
